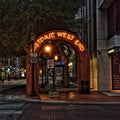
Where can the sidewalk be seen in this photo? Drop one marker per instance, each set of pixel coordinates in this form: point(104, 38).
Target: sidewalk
point(64, 96)
point(69, 111)
point(73, 97)
point(73, 106)
point(69, 105)
point(93, 97)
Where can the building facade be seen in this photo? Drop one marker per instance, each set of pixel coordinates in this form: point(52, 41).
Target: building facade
point(104, 44)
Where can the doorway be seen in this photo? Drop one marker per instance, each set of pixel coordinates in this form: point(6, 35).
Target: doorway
point(64, 71)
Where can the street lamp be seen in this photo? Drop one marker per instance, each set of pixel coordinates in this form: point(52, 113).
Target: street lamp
point(42, 85)
point(50, 61)
point(54, 92)
point(47, 51)
point(56, 57)
point(47, 48)
point(32, 40)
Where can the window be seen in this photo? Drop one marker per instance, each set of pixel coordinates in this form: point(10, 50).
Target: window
point(114, 19)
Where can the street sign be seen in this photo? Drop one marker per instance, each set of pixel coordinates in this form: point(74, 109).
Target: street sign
point(33, 54)
point(50, 63)
point(33, 60)
point(59, 63)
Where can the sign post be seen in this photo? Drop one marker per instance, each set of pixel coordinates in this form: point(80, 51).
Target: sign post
point(50, 63)
point(33, 57)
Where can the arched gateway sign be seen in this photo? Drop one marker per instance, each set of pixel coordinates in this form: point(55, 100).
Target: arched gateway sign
point(53, 35)
point(83, 65)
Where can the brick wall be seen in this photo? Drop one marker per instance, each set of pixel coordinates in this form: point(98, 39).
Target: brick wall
point(83, 72)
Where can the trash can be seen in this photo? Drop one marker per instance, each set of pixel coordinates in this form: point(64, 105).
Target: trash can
point(3, 75)
point(0, 75)
point(85, 87)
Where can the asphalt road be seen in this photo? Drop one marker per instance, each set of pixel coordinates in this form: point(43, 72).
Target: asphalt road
point(18, 109)
point(10, 110)
point(10, 107)
point(13, 87)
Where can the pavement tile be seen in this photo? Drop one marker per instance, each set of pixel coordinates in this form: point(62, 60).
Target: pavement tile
point(75, 97)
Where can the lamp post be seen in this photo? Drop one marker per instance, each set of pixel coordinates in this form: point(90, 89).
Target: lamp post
point(33, 90)
point(50, 61)
point(42, 85)
point(46, 51)
point(55, 59)
point(54, 92)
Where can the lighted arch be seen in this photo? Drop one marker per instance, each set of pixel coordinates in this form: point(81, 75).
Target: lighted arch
point(83, 65)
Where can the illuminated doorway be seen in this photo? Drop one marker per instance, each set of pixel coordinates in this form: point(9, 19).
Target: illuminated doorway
point(65, 65)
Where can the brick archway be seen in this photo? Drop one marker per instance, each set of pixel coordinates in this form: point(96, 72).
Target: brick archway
point(83, 65)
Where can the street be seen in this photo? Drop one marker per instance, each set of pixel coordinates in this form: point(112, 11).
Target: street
point(14, 107)
point(10, 110)
point(10, 107)
point(58, 111)
point(16, 110)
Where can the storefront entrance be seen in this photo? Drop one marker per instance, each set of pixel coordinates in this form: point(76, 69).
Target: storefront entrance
point(116, 71)
point(66, 64)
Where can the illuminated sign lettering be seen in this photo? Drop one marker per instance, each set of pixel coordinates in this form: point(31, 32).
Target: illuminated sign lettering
point(79, 44)
point(65, 35)
point(53, 35)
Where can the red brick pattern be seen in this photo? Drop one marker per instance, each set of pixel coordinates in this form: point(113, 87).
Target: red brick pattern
point(83, 71)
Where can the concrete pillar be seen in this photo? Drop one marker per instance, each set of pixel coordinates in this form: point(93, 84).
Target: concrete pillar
point(104, 82)
point(102, 47)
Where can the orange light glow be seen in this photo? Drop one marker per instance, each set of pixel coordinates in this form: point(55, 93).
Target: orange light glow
point(47, 48)
point(79, 45)
point(55, 57)
point(53, 35)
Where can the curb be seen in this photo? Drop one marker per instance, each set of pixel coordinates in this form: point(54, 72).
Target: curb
point(21, 98)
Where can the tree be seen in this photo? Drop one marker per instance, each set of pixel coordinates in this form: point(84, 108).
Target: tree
point(21, 17)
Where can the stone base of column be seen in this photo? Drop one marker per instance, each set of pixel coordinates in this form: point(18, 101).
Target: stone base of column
point(53, 94)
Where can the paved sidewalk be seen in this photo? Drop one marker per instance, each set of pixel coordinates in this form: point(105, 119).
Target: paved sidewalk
point(68, 105)
point(75, 97)
point(93, 97)
point(73, 106)
point(72, 97)
point(67, 111)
